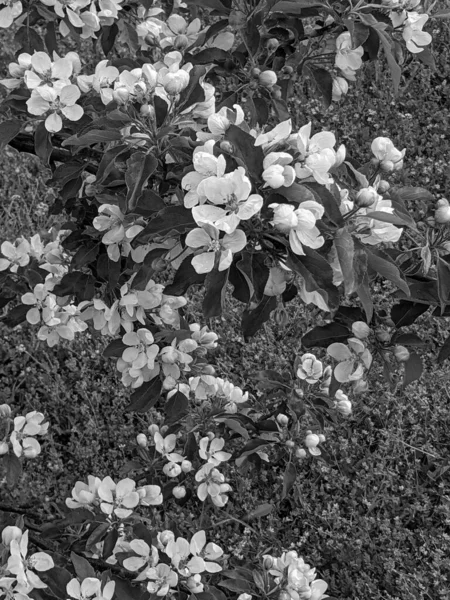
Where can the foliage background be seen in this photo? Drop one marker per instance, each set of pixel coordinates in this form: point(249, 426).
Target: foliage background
point(375, 519)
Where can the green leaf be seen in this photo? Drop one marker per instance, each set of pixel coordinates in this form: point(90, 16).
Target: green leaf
point(148, 203)
point(184, 278)
point(444, 352)
point(443, 281)
point(86, 254)
point(78, 284)
point(405, 312)
point(345, 248)
point(43, 143)
point(244, 149)
point(324, 335)
point(145, 396)
point(16, 315)
point(297, 192)
point(114, 349)
point(95, 136)
point(194, 92)
point(147, 270)
point(413, 369)
point(176, 408)
point(82, 567)
point(252, 320)
point(13, 468)
point(140, 167)
point(396, 72)
point(328, 201)
point(387, 269)
point(324, 83)
point(236, 585)
point(317, 274)
point(260, 511)
point(171, 219)
point(408, 339)
point(108, 270)
point(296, 7)
point(8, 131)
point(358, 31)
point(215, 288)
point(394, 218)
point(289, 477)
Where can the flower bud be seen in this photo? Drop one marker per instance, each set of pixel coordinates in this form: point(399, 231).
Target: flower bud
point(179, 492)
point(186, 466)
point(284, 217)
point(284, 595)
point(272, 44)
point(339, 89)
point(244, 596)
point(267, 79)
point(227, 147)
point(208, 370)
point(4, 447)
point(166, 536)
point(282, 420)
point(366, 197)
point(289, 444)
point(5, 411)
point(210, 435)
point(291, 555)
point(255, 72)
point(237, 19)
point(147, 110)
point(361, 330)
point(174, 83)
point(268, 562)
point(401, 354)
point(383, 336)
point(121, 95)
point(344, 407)
point(383, 186)
point(172, 469)
point(300, 453)
point(281, 316)
point(181, 42)
point(142, 440)
point(312, 440)
point(322, 438)
point(360, 386)
point(387, 166)
point(163, 429)
point(442, 212)
point(30, 452)
point(10, 533)
point(153, 428)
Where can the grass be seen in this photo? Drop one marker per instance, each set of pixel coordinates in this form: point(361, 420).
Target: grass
point(374, 518)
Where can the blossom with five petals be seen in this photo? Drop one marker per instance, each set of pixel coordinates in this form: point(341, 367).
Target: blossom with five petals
point(119, 498)
point(44, 99)
point(17, 255)
point(412, 33)
point(214, 454)
point(161, 579)
point(214, 249)
point(279, 133)
point(84, 495)
point(310, 369)
point(148, 557)
point(353, 359)
point(90, 587)
point(316, 154)
point(9, 13)
point(206, 165)
point(300, 223)
point(347, 57)
point(21, 566)
point(277, 170)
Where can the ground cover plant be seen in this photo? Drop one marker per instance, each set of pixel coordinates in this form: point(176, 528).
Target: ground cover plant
point(269, 216)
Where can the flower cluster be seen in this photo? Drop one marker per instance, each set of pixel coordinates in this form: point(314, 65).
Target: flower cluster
point(22, 439)
point(296, 578)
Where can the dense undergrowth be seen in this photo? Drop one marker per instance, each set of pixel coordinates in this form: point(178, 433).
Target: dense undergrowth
point(372, 516)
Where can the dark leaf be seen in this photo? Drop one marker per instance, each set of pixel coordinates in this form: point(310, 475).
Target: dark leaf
point(408, 339)
point(95, 136)
point(252, 320)
point(396, 71)
point(108, 37)
point(147, 269)
point(381, 263)
point(140, 167)
point(8, 131)
point(78, 284)
point(394, 218)
point(194, 92)
point(317, 274)
point(236, 585)
point(405, 312)
point(29, 40)
point(444, 352)
point(148, 203)
point(86, 254)
point(184, 278)
point(288, 479)
point(345, 248)
point(50, 38)
point(16, 315)
point(82, 567)
point(109, 543)
point(324, 335)
point(413, 369)
point(262, 111)
point(108, 270)
point(114, 349)
point(210, 55)
point(43, 143)
point(426, 57)
point(358, 31)
point(57, 579)
point(161, 110)
point(372, 44)
point(145, 396)
point(324, 84)
point(347, 315)
point(297, 192)
point(260, 511)
point(443, 282)
point(244, 148)
point(13, 468)
point(281, 109)
point(176, 408)
point(215, 288)
point(170, 219)
point(328, 201)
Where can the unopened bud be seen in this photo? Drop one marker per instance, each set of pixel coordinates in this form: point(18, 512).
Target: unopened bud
point(255, 72)
point(383, 336)
point(291, 555)
point(360, 386)
point(210, 435)
point(267, 79)
point(387, 166)
point(284, 595)
point(268, 562)
point(272, 44)
point(344, 407)
point(30, 452)
point(179, 491)
point(208, 370)
point(312, 440)
point(163, 429)
point(147, 110)
point(366, 197)
point(142, 440)
point(186, 466)
point(5, 411)
point(289, 444)
point(383, 186)
point(181, 42)
point(4, 447)
point(322, 438)
point(300, 453)
point(442, 212)
point(227, 147)
point(10, 533)
point(361, 330)
point(401, 354)
point(121, 95)
point(166, 536)
point(152, 429)
point(281, 316)
point(287, 70)
point(282, 420)
point(172, 469)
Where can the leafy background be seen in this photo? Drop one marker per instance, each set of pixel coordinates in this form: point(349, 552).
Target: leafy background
point(374, 517)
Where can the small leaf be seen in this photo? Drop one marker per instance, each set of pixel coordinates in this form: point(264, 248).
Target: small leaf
point(176, 408)
point(171, 219)
point(215, 288)
point(288, 479)
point(8, 131)
point(324, 84)
point(76, 283)
point(109, 543)
point(385, 217)
point(16, 315)
point(408, 339)
point(413, 369)
point(444, 352)
point(260, 511)
point(43, 143)
point(184, 278)
point(381, 263)
point(297, 192)
point(95, 136)
point(13, 469)
point(345, 248)
point(140, 167)
point(252, 320)
point(405, 312)
point(244, 148)
point(396, 72)
point(145, 396)
point(443, 281)
point(82, 567)
point(324, 335)
point(194, 92)
point(85, 254)
point(236, 585)
point(114, 349)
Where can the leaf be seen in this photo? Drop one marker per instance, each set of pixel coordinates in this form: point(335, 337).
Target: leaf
point(13, 468)
point(260, 511)
point(324, 84)
point(56, 579)
point(345, 248)
point(140, 167)
point(145, 396)
point(108, 270)
point(396, 72)
point(405, 312)
point(16, 315)
point(364, 294)
point(413, 369)
point(317, 274)
point(253, 446)
point(281, 109)
point(387, 269)
point(148, 203)
point(184, 278)
point(210, 55)
point(170, 219)
point(443, 282)
point(215, 288)
point(444, 352)
point(176, 408)
point(78, 284)
point(194, 92)
point(108, 37)
point(252, 320)
point(328, 201)
point(8, 131)
point(358, 31)
point(385, 217)
point(161, 110)
point(288, 479)
point(324, 335)
point(147, 269)
point(114, 349)
point(426, 57)
point(95, 136)
point(244, 148)
point(296, 7)
point(297, 192)
point(82, 567)
point(109, 543)
point(236, 585)
point(408, 339)
point(85, 254)
point(43, 143)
